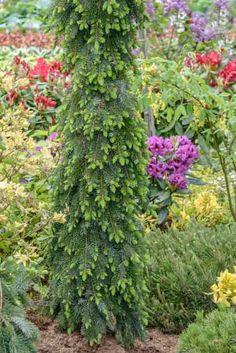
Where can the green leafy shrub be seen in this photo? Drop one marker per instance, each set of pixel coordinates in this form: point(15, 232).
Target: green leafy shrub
point(23, 14)
point(17, 334)
point(216, 333)
point(97, 257)
point(184, 266)
point(185, 103)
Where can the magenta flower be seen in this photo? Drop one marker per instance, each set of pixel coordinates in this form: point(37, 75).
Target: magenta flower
point(53, 136)
point(171, 159)
point(159, 146)
point(178, 180)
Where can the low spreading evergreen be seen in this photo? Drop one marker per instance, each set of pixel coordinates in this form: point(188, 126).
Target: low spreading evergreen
point(197, 254)
point(17, 334)
point(215, 333)
point(97, 257)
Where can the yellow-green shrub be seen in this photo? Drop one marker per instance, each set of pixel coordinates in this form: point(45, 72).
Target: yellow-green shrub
point(24, 171)
point(224, 291)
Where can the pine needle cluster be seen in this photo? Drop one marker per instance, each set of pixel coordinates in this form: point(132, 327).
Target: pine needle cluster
point(17, 334)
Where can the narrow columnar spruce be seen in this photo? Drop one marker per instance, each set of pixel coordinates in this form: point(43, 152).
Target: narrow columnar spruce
point(97, 257)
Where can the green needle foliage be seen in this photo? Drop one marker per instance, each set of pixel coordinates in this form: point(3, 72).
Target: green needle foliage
point(97, 258)
point(17, 334)
point(215, 333)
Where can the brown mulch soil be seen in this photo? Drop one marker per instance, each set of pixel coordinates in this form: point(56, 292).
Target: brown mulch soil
point(53, 341)
point(30, 38)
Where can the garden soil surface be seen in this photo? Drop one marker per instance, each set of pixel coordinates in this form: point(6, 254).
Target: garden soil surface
point(53, 341)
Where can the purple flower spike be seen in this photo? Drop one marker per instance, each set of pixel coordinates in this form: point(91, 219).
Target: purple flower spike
point(174, 5)
point(150, 8)
point(222, 4)
point(53, 136)
point(201, 32)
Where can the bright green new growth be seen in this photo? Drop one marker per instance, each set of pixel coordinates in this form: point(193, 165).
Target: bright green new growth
point(97, 258)
point(216, 333)
point(17, 334)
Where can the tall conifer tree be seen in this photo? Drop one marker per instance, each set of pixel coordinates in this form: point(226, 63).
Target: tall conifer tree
point(97, 257)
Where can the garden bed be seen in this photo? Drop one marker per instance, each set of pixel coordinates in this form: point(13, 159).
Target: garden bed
point(54, 341)
point(24, 40)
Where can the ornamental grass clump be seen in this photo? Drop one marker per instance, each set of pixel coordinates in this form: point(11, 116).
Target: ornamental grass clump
point(97, 258)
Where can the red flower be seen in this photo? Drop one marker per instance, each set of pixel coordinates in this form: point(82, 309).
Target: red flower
point(20, 66)
point(228, 73)
point(213, 83)
point(12, 96)
point(189, 62)
point(16, 60)
point(22, 88)
point(44, 102)
point(212, 58)
point(56, 66)
point(41, 69)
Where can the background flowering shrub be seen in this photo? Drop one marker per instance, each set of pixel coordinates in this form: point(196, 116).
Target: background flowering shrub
point(38, 88)
point(29, 14)
point(184, 100)
point(179, 26)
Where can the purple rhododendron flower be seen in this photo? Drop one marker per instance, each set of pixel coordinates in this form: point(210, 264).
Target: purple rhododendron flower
point(178, 180)
point(159, 146)
point(53, 136)
point(152, 169)
point(183, 140)
point(171, 159)
point(38, 148)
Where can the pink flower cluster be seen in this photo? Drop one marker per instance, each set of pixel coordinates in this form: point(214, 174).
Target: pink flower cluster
point(171, 159)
